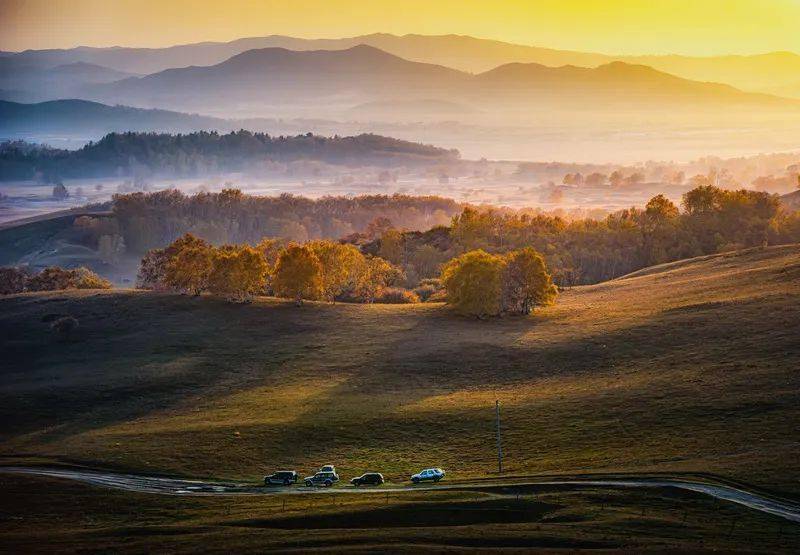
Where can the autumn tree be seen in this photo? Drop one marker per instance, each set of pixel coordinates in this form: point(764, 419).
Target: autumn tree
point(474, 283)
point(526, 282)
point(660, 231)
point(189, 269)
point(237, 272)
point(298, 274)
point(376, 275)
point(341, 267)
point(153, 270)
point(392, 248)
point(153, 267)
point(270, 249)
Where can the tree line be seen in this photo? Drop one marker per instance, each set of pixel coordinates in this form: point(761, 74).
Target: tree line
point(586, 251)
point(316, 270)
point(476, 283)
point(204, 152)
point(151, 220)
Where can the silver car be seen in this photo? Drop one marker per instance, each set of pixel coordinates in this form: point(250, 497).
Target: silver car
point(429, 474)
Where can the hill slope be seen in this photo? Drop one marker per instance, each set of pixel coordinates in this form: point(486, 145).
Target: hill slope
point(691, 366)
point(276, 76)
point(82, 117)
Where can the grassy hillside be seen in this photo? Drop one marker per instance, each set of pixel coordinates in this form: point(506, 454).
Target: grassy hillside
point(685, 366)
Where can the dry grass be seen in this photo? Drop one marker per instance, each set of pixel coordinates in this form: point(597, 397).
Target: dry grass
point(687, 366)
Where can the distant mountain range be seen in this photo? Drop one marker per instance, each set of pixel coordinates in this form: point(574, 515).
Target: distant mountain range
point(273, 79)
point(34, 82)
point(773, 72)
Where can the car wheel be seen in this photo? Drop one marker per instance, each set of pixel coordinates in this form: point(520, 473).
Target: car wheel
point(286, 482)
point(328, 483)
point(415, 480)
point(308, 484)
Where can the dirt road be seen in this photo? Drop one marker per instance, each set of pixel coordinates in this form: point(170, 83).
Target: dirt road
point(175, 486)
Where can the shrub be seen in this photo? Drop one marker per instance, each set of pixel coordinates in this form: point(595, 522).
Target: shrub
point(424, 292)
point(428, 288)
point(12, 280)
point(439, 297)
point(397, 295)
point(55, 278)
point(84, 278)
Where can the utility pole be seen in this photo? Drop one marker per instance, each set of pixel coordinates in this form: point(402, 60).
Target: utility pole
point(499, 442)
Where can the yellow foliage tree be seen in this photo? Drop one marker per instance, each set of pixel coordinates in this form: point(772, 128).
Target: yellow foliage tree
point(237, 272)
point(526, 282)
point(474, 283)
point(189, 268)
point(341, 267)
point(298, 274)
point(376, 275)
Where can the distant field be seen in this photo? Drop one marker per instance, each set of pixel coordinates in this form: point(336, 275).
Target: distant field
point(690, 366)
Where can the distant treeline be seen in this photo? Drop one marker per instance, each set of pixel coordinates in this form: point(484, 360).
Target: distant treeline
point(588, 251)
point(419, 235)
point(193, 154)
point(710, 220)
point(153, 220)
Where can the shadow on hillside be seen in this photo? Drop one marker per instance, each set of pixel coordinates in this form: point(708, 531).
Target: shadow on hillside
point(147, 355)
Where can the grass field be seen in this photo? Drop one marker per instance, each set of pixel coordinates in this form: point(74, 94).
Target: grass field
point(38, 515)
point(690, 366)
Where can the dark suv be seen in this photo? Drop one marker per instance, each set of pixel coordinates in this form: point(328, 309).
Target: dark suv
point(368, 479)
point(282, 477)
point(326, 479)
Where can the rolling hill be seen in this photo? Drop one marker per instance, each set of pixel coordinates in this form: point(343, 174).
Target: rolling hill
point(654, 371)
point(92, 119)
point(769, 72)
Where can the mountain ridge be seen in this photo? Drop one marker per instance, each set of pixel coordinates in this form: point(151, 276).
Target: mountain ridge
point(762, 72)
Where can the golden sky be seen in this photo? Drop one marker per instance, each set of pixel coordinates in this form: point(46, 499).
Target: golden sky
point(612, 26)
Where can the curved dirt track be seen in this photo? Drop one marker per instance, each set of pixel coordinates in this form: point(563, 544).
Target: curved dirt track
point(175, 486)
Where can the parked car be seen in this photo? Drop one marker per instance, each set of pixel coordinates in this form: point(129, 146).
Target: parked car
point(282, 477)
point(326, 479)
point(368, 479)
point(329, 468)
point(432, 474)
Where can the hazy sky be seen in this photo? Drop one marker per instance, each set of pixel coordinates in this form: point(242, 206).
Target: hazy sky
point(613, 26)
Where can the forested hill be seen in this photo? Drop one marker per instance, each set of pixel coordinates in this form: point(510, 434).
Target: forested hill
point(203, 152)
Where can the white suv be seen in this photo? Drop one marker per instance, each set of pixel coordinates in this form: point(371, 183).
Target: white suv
point(434, 474)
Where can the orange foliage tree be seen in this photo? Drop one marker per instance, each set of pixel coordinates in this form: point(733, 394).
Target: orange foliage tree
point(298, 274)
